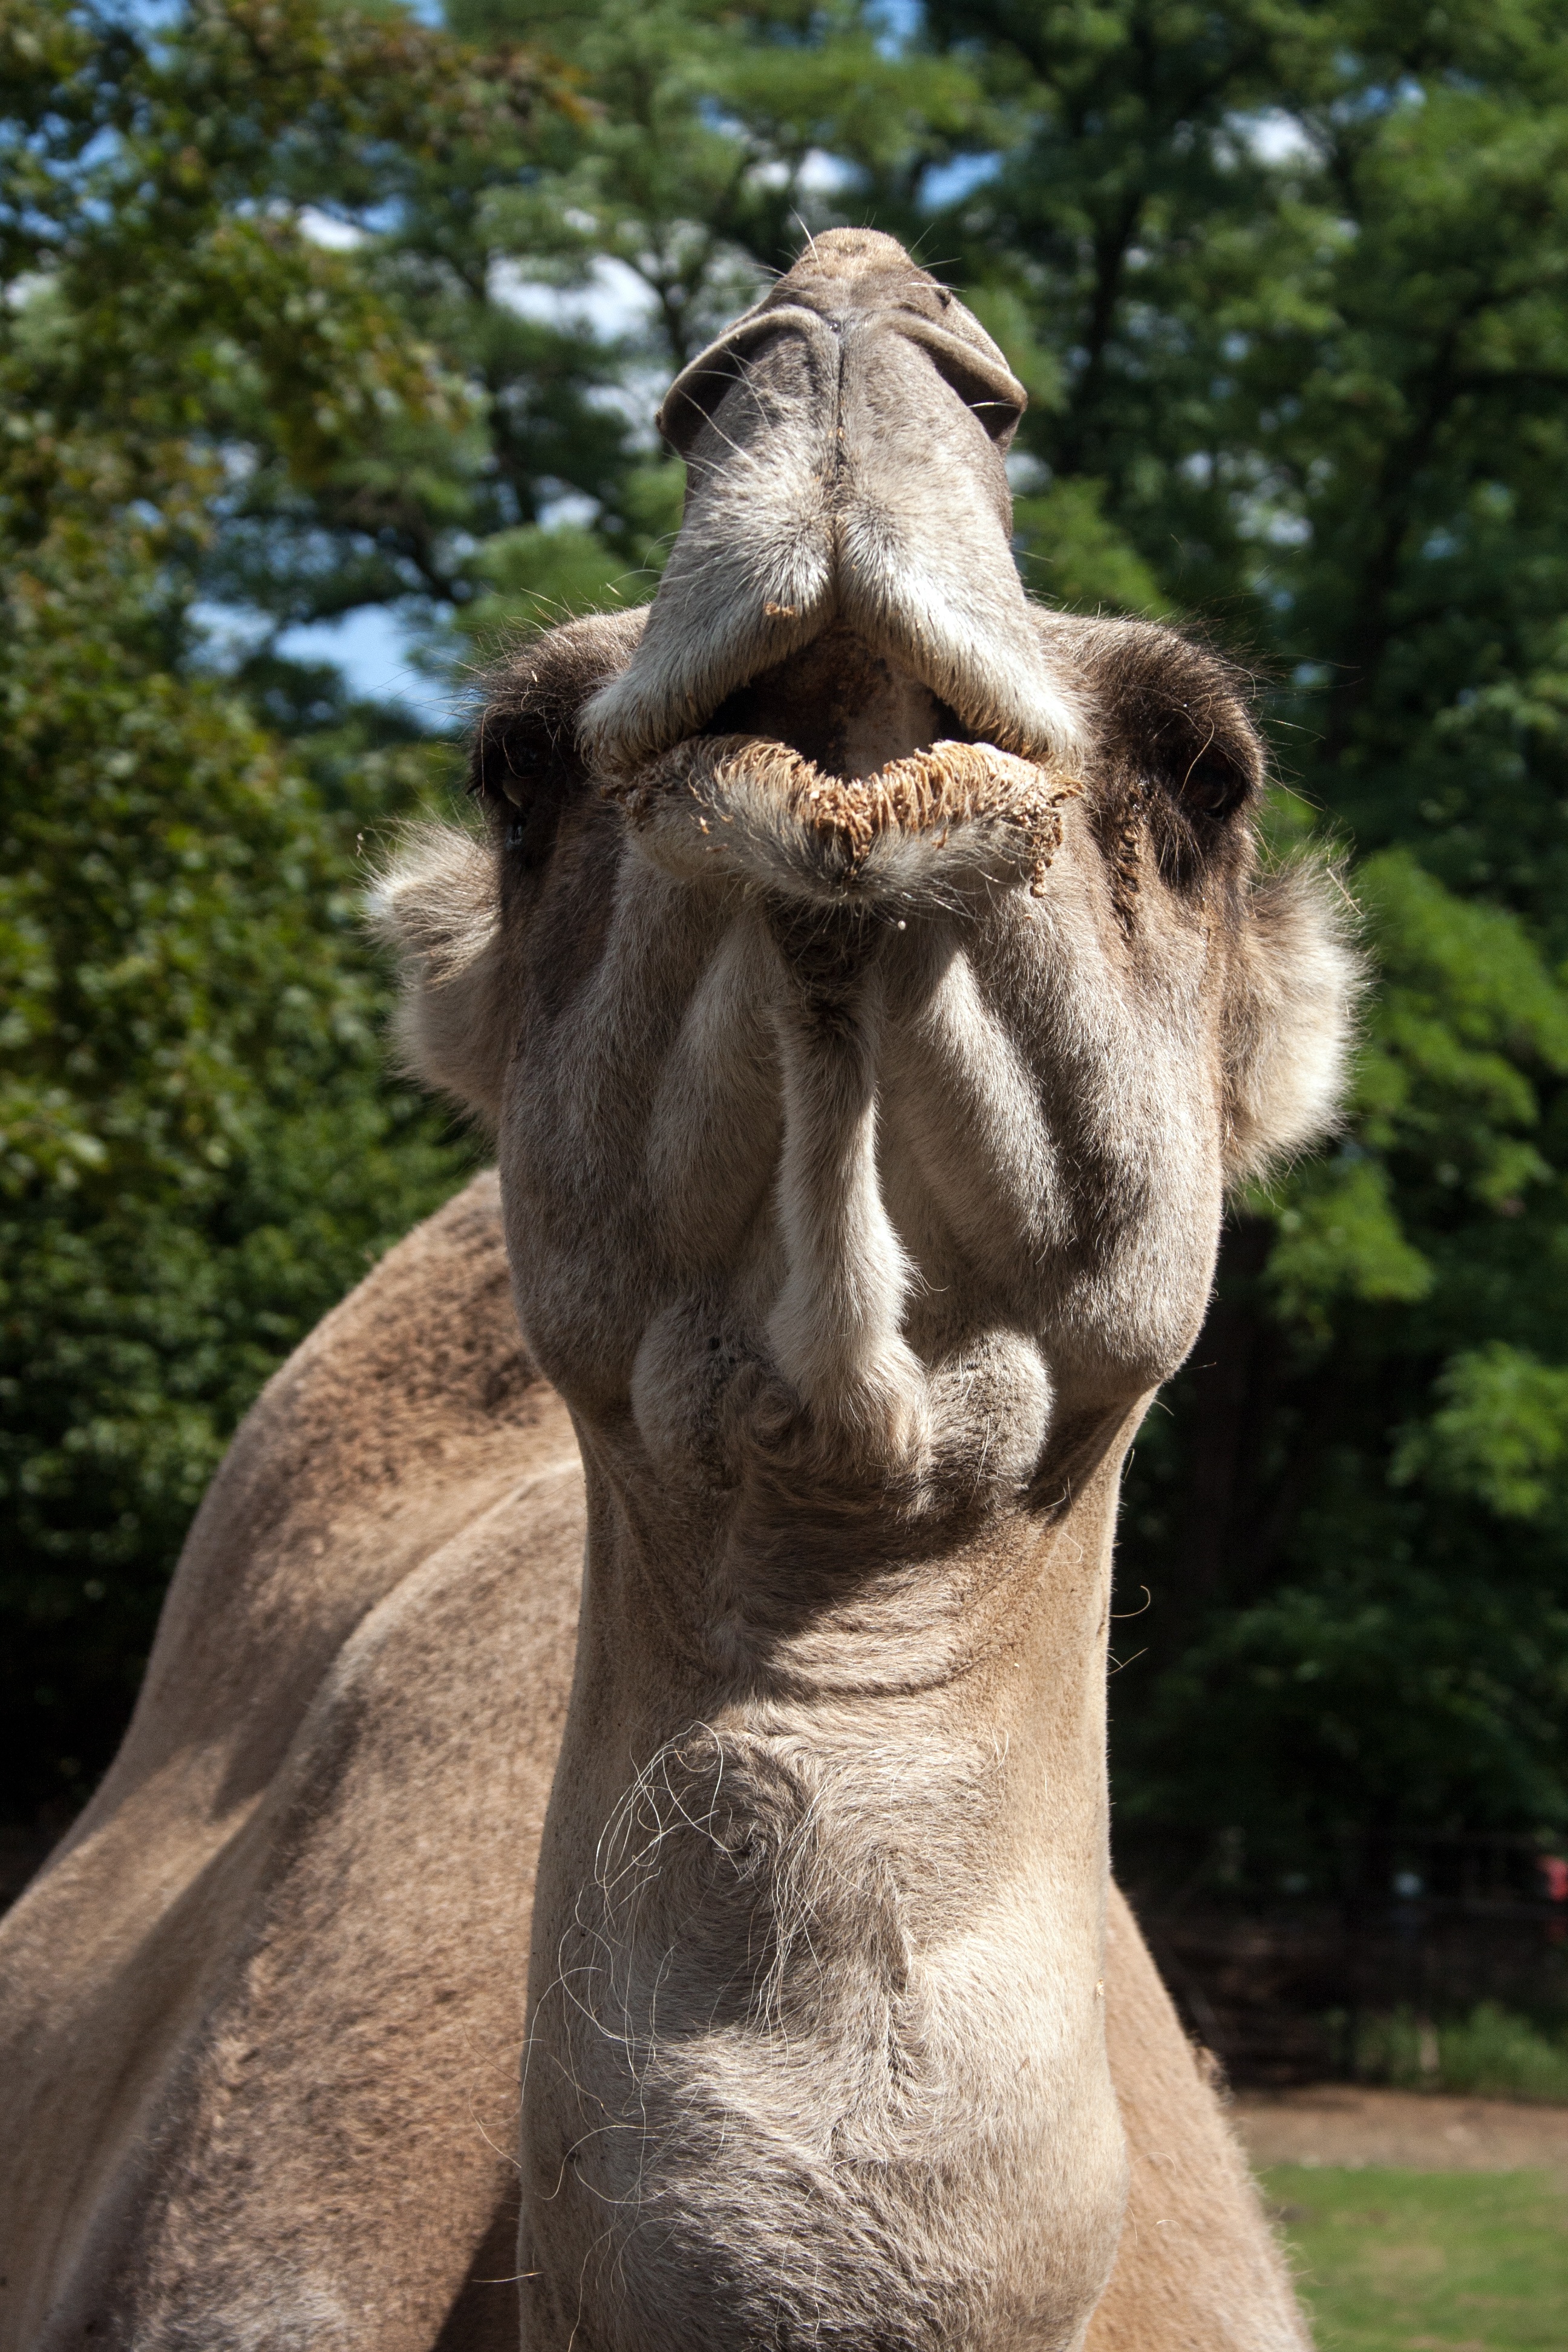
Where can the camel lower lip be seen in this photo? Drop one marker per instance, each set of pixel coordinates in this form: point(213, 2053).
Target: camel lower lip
point(941, 785)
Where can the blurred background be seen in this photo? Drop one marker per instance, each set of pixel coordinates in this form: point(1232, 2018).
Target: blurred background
point(329, 346)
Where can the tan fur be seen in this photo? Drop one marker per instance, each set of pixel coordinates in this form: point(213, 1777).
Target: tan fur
point(863, 1098)
point(262, 2010)
point(1288, 1036)
point(408, 1418)
point(802, 507)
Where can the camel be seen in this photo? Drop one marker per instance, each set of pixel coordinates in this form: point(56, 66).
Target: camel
point(651, 1638)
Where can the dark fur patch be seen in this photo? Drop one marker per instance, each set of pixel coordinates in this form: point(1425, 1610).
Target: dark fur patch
point(1178, 764)
point(524, 766)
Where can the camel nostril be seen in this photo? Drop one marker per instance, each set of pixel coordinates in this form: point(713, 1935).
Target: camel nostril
point(999, 417)
point(974, 369)
point(843, 443)
point(998, 410)
point(762, 336)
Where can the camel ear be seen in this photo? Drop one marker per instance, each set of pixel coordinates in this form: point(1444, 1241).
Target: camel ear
point(437, 906)
point(1291, 1024)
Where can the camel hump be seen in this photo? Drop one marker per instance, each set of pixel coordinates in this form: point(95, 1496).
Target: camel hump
point(408, 1411)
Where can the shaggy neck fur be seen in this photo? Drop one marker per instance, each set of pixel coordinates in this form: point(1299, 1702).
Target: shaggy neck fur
point(817, 2051)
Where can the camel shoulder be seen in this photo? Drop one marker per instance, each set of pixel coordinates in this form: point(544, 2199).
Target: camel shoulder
point(192, 1997)
point(409, 1412)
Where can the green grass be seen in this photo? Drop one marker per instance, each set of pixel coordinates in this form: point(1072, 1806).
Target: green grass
point(1428, 2261)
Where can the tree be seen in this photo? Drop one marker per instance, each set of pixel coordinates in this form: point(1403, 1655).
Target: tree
point(562, 282)
point(1286, 281)
point(198, 1148)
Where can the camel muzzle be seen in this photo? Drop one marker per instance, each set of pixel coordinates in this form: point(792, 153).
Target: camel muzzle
point(844, 558)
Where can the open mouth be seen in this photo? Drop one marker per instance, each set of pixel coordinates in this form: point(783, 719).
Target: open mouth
point(839, 704)
point(852, 754)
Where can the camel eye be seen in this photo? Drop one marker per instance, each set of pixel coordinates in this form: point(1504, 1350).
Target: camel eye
point(1213, 785)
point(503, 783)
point(1207, 762)
point(523, 773)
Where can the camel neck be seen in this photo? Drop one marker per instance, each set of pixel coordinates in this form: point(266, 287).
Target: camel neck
point(963, 1684)
point(836, 1932)
point(834, 1587)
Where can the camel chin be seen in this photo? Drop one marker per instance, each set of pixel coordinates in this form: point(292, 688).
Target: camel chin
point(871, 984)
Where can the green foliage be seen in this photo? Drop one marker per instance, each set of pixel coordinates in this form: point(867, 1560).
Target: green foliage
point(1493, 2053)
point(1468, 1013)
point(314, 309)
point(530, 577)
point(198, 1149)
point(1301, 273)
point(1069, 554)
point(1499, 1433)
point(561, 277)
point(1340, 1237)
point(1390, 2260)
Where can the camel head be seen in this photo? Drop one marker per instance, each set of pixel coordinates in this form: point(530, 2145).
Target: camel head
point(872, 986)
